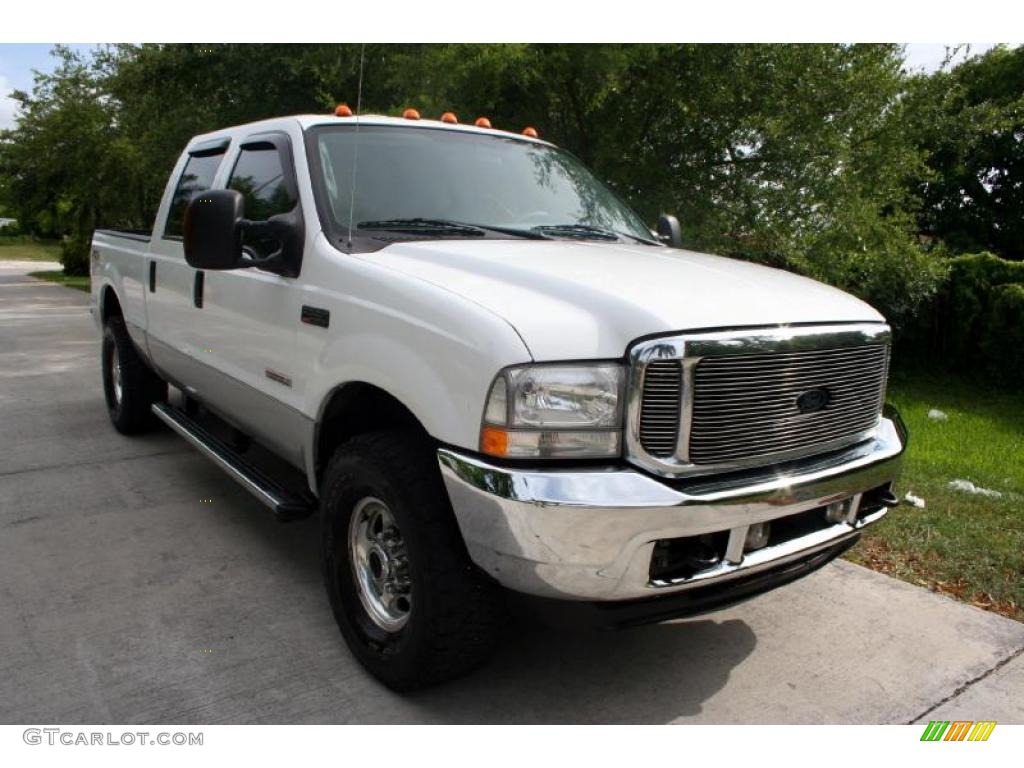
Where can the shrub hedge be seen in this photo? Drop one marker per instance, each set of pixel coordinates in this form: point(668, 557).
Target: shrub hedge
point(976, 322)
point(74, 256)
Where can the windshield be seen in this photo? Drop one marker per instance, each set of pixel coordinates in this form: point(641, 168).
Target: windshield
point(483, 180)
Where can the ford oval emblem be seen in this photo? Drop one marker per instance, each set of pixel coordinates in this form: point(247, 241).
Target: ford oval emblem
point(814, 400)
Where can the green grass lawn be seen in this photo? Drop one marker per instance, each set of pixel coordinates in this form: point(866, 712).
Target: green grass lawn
point(967, 546)
point(71, 281)
point(23, 249)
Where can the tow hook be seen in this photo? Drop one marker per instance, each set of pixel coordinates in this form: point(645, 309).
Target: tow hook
point(885, 497)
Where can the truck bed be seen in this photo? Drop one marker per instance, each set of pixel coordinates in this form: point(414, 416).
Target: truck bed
point(119, 259)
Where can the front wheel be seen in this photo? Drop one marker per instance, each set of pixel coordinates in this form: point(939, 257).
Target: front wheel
point(411, 606)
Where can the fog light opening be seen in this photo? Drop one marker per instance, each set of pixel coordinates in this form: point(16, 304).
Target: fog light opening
point(841, 511)
point(681, 559)
point(757, 536)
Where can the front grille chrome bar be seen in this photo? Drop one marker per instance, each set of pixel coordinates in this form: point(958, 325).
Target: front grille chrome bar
point(659, 410)
point(738, 410)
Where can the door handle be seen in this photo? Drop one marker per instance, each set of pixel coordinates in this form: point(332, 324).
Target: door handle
point(152, 277)
point(197, 289)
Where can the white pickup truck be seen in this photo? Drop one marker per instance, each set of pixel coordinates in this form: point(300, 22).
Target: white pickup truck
point(490, 375)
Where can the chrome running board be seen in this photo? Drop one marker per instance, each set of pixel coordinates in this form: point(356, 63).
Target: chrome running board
point(286, 504)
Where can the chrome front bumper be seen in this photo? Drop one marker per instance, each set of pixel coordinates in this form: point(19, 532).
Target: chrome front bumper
point(590, 534)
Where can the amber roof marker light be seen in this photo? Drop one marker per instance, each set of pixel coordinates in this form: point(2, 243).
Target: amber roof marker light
point(449, 117)
point(411, 114)
point(482, 122)
point(531, 132)
point(343, 110)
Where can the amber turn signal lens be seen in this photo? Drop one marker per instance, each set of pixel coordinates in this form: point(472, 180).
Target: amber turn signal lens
point(343, 110)
point(449, 117)
point(494, 441)
point(482, 122)
point(531, 132)
point(411, 114)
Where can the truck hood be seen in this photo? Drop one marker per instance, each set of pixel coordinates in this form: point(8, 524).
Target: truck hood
point(575, 300)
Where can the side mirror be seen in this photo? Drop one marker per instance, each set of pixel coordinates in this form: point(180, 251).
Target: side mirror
point(213, 230)
point(669, 231)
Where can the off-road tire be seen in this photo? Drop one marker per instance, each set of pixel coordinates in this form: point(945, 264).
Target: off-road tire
point(456, 610)
point(140, 386)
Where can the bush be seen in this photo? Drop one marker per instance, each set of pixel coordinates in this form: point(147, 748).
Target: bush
point(74, 256)
point(899, 281)
point(1003, 343)
point(876, 259)
point(976, 323)
point(974, 282)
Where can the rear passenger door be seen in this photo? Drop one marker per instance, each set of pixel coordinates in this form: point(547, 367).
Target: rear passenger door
point(169, 279)
point(247, 329)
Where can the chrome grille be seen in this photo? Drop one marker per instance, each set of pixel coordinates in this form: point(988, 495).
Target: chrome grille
point(745, 406)
point(659, 414)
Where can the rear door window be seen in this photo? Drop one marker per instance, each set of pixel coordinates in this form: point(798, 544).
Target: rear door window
point(197, 177)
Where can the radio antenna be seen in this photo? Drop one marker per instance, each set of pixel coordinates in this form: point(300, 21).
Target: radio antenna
point(355, 146)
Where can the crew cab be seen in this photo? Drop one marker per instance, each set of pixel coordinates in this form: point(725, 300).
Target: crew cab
point(487, 374)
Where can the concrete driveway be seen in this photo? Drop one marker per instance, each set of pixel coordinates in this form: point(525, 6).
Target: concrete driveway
point(124, 598)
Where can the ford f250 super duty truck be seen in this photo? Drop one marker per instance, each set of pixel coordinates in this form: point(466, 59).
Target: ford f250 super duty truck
point(489, 374)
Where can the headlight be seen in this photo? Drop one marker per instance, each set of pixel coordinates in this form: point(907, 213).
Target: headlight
point(552, 411)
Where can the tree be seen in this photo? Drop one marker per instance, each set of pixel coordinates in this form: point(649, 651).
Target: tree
point(970, 123)
point(792, 155)
point(64, 134)
point(67, 167)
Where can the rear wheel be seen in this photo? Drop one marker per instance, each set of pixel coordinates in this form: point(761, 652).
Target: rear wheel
point(130, 386)
point(411, 606)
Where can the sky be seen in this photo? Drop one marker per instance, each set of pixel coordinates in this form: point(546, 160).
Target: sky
point(18, 60)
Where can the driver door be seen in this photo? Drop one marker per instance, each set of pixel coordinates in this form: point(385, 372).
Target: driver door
point(247, 333)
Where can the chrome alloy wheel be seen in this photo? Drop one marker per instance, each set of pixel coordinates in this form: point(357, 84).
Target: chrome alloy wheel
point(380, 564)
point(115, 376)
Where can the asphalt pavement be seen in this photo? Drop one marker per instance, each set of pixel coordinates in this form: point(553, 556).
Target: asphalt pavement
point(139, 584)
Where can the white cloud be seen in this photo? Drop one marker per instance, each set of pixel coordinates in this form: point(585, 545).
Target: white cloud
point(8, 106)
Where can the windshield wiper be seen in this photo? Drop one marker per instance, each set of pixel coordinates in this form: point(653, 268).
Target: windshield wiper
point(447, 225)
point(529, 234)
point(577, 230)
point(589, 231)
point(644, 240)
point(423, 225)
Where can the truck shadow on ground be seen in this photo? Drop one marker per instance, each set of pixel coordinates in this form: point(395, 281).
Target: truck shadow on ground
point(558, 674)
point(540, 673)
point(651, 674)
